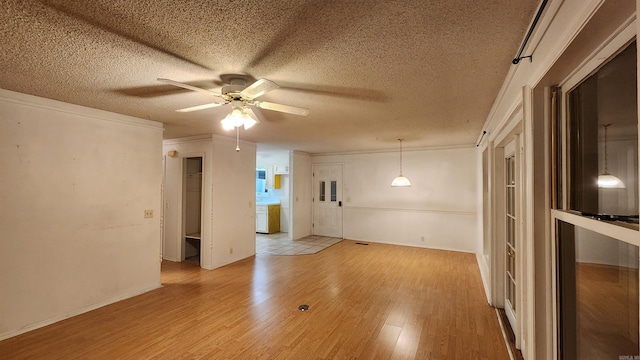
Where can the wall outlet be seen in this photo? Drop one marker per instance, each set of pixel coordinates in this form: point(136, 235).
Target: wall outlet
point(230, 250)
point(421, 238)
point(148, 214)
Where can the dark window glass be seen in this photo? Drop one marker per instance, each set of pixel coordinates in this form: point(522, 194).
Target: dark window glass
point(598, 295)
point(603, 139)
point(322, 191)
point(334, 189)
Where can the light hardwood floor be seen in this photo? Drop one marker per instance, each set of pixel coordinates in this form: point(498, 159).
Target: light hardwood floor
point(607, 311)
point(366, 302)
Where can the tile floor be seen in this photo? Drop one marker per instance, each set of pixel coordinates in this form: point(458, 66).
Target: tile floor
point(279, 244)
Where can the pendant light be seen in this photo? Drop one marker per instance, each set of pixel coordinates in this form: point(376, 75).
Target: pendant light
point(400, 180)
point(606, 180)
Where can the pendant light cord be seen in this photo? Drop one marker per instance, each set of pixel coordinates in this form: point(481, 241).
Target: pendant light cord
point(400, 156)
point(606, 170)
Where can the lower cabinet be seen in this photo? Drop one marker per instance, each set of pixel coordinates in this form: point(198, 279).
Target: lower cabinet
point(268, 219)
point(262, 223)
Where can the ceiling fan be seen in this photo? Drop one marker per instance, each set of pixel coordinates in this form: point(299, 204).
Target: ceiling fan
point(241, 97)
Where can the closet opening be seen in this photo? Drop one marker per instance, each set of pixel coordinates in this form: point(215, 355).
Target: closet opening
point(192, 210)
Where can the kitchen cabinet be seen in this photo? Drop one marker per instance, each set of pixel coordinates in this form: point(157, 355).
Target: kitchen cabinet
point(268, 218)
point(281, 169)
point(269, 177)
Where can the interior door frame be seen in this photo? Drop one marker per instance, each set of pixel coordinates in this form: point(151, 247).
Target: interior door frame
point(512, 131)
point(511, 151)
point(182, 203)
point(163, 206)
point(339, 191)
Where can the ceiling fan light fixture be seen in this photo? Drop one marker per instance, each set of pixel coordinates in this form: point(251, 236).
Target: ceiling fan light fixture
point(239, 117)
point(228, 122)
point(248, 119)
point(240, 96)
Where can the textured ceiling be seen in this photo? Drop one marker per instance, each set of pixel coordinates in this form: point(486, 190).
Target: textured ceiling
point(370, 72)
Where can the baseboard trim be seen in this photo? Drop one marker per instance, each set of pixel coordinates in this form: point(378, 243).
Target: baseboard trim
point(77, 312)
point(421, 246)
point(504, 334)
point(484, 276)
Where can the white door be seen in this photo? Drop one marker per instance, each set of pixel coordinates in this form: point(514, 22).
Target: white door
point(327, 200)
point(512, 228)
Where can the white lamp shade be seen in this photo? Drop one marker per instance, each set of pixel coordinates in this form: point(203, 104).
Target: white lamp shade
point(249, 122)
point(238, 118)
point(227, 124)
point(609, 181)
point(400, 181)
point(248, 118)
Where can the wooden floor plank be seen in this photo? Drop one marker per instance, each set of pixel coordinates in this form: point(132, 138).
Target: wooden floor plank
point(378, 301)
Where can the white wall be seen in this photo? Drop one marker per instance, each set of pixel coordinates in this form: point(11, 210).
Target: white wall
point(75, 183)
point(229, 199)
point(300, 173)
point(234, 199)
point(437, 211)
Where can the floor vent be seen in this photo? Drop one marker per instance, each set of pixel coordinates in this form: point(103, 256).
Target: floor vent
point(359, 243)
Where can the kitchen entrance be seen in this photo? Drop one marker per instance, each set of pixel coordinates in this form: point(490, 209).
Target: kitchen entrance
point(273, 188)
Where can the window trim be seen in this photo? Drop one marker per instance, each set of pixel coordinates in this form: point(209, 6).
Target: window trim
point(615, 44)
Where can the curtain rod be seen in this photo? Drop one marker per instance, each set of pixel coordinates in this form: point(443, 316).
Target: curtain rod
point(519, 57)
point(481, 137)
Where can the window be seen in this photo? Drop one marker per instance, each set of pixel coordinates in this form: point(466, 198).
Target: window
point(598, 287)
point(596, 225)
point(334, 189)
point(322, 191)
point(603, 139)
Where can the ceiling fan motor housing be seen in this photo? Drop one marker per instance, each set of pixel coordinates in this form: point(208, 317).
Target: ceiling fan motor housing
point(233, 91)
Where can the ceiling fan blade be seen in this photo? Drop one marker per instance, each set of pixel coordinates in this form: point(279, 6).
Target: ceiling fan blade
point(187, 86)
point(282, 108)
point(258, 88)
point(200, 107)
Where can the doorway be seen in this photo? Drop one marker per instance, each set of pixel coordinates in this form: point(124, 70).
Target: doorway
point(327, 200)
point(192, 210)
point(511, 234)
point(509, 265)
